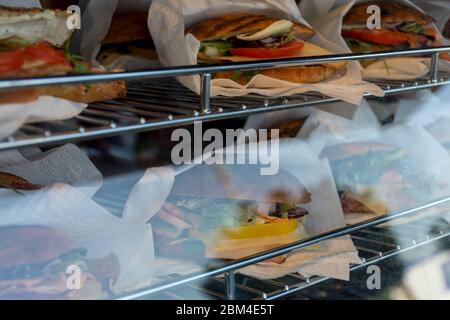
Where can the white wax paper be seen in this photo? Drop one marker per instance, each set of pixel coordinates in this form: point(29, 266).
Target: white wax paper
point(167, 22)
point(330, 25)
point(65, 204)
point(13, 116)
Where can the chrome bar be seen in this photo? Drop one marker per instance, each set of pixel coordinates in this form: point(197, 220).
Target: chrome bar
point(212, 68)
point(230, 283)
point(157, 121)
point(285, 249)
point(206, 93)
point(434, 72)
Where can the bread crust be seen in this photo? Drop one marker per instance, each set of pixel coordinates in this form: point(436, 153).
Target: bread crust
point(287, 129)
point(128, 27)
point(302, 74)
point(86, 93)
point(6, 11)
point(391, 12)
point(233, 24)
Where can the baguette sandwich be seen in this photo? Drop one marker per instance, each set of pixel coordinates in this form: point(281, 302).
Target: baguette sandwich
point(228, 203)
point(372, 177)
point(34, 261)
point(402, 27)
point(127, 36)
point(35, 42)
point(247, 37)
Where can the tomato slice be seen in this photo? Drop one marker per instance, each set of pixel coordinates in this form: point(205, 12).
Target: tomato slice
point(289, 50)
point(11, 61)
point(378, 36)
point(45, 52)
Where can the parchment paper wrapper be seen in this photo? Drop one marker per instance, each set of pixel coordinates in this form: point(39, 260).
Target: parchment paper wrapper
point(70, 209)
point(333, 257)
point(330, 25)
point(13, 116)
point(425, 157)
point(167, 21)
point(95, 27)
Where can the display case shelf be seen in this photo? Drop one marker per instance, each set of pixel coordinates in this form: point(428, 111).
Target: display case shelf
point(155, 101)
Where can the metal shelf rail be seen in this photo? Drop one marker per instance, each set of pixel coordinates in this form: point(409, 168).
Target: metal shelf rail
point(230, 284)
point(154, 104)
point(374, 239)
point(374, 245)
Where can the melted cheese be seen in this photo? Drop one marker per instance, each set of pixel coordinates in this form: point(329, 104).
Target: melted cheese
point(277, 28)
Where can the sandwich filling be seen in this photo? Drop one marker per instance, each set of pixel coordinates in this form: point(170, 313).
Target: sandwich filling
point(402, 27)
point(368, 176)
point(17, 56)
point(276, 41)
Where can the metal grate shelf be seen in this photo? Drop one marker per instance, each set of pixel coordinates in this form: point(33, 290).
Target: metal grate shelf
point(153, 105)
point(371, 249)
point(376, 241)
point(157, 102)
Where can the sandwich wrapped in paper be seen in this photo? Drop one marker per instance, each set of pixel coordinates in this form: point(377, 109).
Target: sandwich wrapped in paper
point(118, 38)
point(36, 263)
point(403, 26)
point(231, 211)
point(35, 42)
point(232, 208)
point(203, 32)
point(429, 110)
point(48, 197)
point(384, 170)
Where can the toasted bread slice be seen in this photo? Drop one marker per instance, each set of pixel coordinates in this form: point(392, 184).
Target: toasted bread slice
point(392, 12)
point(34, 24)
point(306, 74)
point(86, 93)
point(128, 27)
point(78, 93)
point(234, 24)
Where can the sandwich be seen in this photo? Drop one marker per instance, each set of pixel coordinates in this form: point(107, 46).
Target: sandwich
point(447, 29)
point(209, 205)
point(128, 36)
point(287, 129)
point(402, 27)
point(34, 261)
point(247, 37)
point(35, 42)
point(16, 183)
point(372, 177)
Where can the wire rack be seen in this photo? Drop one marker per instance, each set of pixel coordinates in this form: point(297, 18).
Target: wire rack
point(373, 244)
point(156, 102)
point(375, 240)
